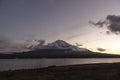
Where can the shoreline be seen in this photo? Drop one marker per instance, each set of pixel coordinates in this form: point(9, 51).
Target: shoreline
point(98, 71)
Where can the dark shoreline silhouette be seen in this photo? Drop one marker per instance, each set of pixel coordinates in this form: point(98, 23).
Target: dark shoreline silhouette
point(102, 71)
point(57, 53)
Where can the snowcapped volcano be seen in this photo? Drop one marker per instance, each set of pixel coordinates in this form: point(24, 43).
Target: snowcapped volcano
point(59, 44)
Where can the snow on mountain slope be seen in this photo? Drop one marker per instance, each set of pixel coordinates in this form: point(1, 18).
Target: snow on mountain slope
point(59, 44)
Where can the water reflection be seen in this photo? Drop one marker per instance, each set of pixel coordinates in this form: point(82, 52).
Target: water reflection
point(12, 64)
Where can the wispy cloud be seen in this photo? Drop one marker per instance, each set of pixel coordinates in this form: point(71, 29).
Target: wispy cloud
point(112, 22)
point(100, 23)
point(101, 49)
point(12, 45)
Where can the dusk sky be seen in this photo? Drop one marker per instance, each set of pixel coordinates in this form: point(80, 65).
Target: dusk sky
point(50, 20)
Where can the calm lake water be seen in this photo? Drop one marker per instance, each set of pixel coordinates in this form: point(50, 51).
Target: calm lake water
point(13, 64)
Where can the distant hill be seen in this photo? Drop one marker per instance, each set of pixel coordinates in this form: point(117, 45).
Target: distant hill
point(58, 49)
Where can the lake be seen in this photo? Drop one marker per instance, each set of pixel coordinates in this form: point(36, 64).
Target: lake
point(13, 64)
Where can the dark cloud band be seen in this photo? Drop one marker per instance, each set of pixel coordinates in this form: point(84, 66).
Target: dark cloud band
point(112, 22)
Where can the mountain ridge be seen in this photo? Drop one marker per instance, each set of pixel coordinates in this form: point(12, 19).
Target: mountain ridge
point(58, 49)
point(59, 44)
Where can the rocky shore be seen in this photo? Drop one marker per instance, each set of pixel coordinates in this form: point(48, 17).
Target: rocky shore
point(108, 71)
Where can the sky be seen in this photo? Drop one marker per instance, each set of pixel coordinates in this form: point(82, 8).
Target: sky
point(75, 21)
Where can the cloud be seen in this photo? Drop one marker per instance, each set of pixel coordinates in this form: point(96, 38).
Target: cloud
point(77, 44)
point(101, 49)
point(11, 45)
point(107, 32)
point(100, 23)
point(41, 42)
point(30, 44)
point(112, 22)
